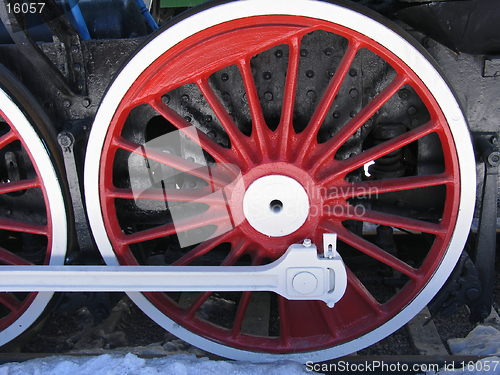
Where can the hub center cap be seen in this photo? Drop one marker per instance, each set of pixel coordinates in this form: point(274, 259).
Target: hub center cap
point(276, 205)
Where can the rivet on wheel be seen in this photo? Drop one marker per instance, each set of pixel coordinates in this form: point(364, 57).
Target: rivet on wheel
point(353, 72)
point(311, 95)
point(268, 96)
point(412, 110)
point(224, 77)
point(352, 114)
point(353, 93)
point(336, 114)
point(86, 102)
point(208, 118)
point(67, 103)
point(267, 75)
point(309, 74)
point(211, 134)
point(303, 52)
point(184, 99)
point(328, 51)
point(403, 94)
point(278, 53)
point(165, 99)
point(187, 118)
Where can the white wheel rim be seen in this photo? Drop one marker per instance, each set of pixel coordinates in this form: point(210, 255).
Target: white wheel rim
point(327, 12)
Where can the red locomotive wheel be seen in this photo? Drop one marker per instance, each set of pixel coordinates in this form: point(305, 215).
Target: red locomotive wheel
point(31, 202)
point(336, 124)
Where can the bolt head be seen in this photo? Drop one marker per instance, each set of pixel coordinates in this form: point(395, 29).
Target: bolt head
point(494, 158)
point(472, 294)
point(65, 140)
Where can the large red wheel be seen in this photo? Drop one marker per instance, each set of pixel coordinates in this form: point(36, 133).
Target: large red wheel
point(31, 201)
point(302, 97)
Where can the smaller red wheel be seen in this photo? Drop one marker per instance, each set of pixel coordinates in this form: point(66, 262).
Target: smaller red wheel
point(31, 202)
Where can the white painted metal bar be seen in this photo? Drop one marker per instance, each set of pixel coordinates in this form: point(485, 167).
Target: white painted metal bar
point(135, 278)
point(300, 274)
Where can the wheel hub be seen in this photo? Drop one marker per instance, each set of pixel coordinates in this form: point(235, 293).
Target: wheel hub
point(276, 205)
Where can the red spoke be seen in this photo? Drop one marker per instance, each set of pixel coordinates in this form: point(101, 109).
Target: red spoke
point(354, 162)
point(329, 148)
point(7, 257)
point(375, 252)
point(375, 187)
point(205, 195)
point(204, 296)
point(200, 300)
point(20, 226)
point(7, 138)
point(10, 301)
point(259, 128)
point(11, 187)
point(326, 101)
point(245, 298)
point(284, 321)
point(347, 211)
point(238, 140)
point(220, 154)
point(285, 127)
point(240, 313)
point(211, 217)
point(201, 171)
point(236, 252)
point(203, 248)
point(357, 295)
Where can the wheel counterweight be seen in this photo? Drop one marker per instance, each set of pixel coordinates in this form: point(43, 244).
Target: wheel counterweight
point(253, 125)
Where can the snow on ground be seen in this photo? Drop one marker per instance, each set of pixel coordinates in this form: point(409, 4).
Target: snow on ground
point(130, 364)
point(483, 340)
